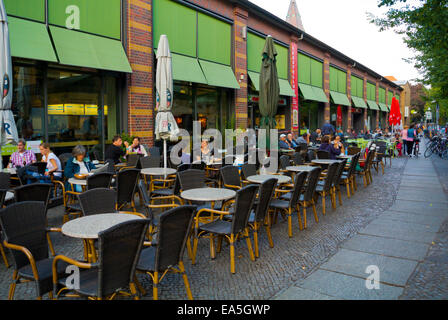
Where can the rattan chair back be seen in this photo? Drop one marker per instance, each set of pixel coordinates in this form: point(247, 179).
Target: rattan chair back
point(25, 224)
point(230, 176)
point(339, 171)
point(173, 230)
point(299, 182)
point(152, 161)
point(311, 155)
point(332, 169)
point(126, 185)
point(133, 160)
point(98, 201)
point(198, 165)
point(99, 180)
point(119, 249)
point(313, 178)
point(5, 180)
point(33, 192)
point(265, 195)
point(297, 159)
point(191, 179)
point(322, 154)
point(244, 201)
point(248, 170)
point(284, 162)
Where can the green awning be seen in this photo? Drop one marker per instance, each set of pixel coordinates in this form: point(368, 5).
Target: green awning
point(285, 88)
point(30, 40)
point(312, 93)
point(187, 69)
point(383, 107)
point(255, 79)
point(339, 98)
point(85, 50)
point(219, 75)
point(359, 102)
point(373, 105)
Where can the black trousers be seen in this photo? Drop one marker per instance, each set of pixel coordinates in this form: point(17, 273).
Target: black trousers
point(410, 146)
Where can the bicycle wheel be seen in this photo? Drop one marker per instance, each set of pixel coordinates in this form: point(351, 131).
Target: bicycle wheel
point(428, 152)
point(417, 150)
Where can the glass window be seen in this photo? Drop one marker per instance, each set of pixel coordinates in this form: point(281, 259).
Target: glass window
point(309, 115)
point(111, 119)
point(27, 105)
point(73, 109)
point(183, 105)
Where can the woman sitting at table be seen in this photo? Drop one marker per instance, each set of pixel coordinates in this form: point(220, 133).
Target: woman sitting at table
point(333, 149)
point(54, 166)
point(78, 164)
point(205, 151)
point(136, 147)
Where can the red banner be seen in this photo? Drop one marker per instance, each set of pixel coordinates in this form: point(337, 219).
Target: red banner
point(295, 87)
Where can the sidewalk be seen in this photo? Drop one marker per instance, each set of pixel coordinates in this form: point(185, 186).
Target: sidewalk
point(399, 242)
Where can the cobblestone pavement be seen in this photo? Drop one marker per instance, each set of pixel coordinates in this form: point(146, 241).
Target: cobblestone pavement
point(278, 268)
point(430, 279)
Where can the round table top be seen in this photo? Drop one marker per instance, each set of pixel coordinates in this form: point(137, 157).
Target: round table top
point(324, 161)
point(89, 227)
point(9, 196)
point(79, 182)
point(344, 156)
point(260, 178)
point(300, 168)
point(158, 171)
point(208, 194)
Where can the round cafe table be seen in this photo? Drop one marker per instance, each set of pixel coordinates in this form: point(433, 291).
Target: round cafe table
point(208, 194)
point(260, 178)
point(325, 161)
point(88, 228)
point(158, 171)
point(300, 168)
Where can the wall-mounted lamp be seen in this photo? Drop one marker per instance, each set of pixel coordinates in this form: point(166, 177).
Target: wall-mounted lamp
point(242, 77)
point(244, 32)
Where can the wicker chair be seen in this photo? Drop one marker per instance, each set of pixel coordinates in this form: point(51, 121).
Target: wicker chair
point(306, 199)
point(97, 180)
point(3, 193)
point(232, 230)
point(25, 229)
point(284, 162)
point(289, 206)
point(34, 192)
point(311, 155)
point(119, 250)
point(380, 155)
point(126, 187)
point(191, 179)
point(337, 180)
point(297, 159)
point(248, 170)
point(231, 177)
point(325, 187)
point(348, 177)
point(183, 167)
point(149, 162)
point(366, 169)
point(98, 201)
point(167, 256)
point(322, 154)
point(260, 214)
point(5, 180)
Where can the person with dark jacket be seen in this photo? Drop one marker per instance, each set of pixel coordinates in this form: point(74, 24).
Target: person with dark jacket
point(328, 129)
point(332, 149)
point(78, 164)
point(114, 152)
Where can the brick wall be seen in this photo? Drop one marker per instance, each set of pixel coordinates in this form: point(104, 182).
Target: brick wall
point(140, 83)
point(326, 85)
point(349, 95)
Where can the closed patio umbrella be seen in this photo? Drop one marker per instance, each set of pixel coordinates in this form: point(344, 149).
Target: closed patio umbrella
point(166, 126)
point(269, 87)
point(8, 131)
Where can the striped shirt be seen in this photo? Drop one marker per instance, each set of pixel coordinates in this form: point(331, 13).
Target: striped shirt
point(18, 158)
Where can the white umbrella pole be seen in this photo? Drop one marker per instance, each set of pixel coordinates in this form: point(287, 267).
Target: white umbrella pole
point(164, 156)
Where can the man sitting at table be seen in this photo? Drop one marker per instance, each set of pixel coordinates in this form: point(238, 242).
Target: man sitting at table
point(333, 150)
point(114, 152)
point(291, 141)
point(21, 157)
point(316, 136)
point(283, 143)
point(304, 138)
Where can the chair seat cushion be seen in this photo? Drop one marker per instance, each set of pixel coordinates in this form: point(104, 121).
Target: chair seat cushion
point(88, 282)
point(279, 204)
point(45, 272)
point(162, 192)
point(147, 259)
point(286, 196)
point(218, 227)
point(74, 207)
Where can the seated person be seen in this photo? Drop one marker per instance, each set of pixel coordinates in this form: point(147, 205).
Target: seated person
point(54, 167)
point(114, 152)
point(304, 138)
point(291, 141)
point(283, 143)
point(332, 149)
point(78, 164)
point(336, 141)
point(136, 147)
point(21, 157)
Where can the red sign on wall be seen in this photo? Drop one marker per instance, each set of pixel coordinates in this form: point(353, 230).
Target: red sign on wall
point(295, 87)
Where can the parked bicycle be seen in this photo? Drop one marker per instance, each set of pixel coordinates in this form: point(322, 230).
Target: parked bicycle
point(439, 146)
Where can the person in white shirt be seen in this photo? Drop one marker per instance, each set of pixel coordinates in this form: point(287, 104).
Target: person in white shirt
point(54, 166)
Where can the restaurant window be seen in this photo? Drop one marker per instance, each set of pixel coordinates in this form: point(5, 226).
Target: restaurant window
point(309, 115)
point(27, 106)
point(73, 109)
point(183, 105)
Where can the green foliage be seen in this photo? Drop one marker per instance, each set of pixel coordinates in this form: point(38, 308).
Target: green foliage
point(436, 94)
point(424, 25)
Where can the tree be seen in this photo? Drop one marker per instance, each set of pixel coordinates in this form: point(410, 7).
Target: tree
point(424, 25)
point(434, 96)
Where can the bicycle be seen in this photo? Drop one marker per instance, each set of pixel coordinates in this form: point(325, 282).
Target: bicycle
point(416, 147)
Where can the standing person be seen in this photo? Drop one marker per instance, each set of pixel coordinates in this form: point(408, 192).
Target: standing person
point(328, 129)
point(21, 157)
point(404, 138)
point(136, 147)
point(114, 152)
point(410, 140)
point(54, 166)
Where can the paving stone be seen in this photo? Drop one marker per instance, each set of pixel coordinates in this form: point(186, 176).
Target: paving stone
point(419, 195)
point(406, 225)
point(402, 233)
point(388, 247)
point(296, 293)
point(348, 287)
point(393, 271)
point(439, 209)
point(419, 218)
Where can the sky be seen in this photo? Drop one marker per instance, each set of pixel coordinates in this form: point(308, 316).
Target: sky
point(344, 25)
